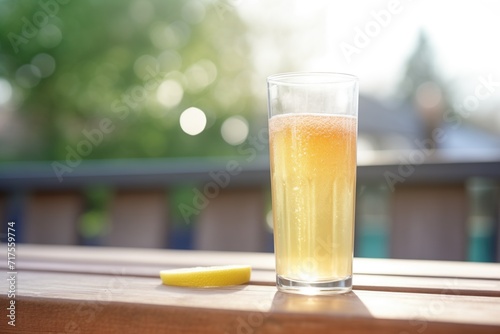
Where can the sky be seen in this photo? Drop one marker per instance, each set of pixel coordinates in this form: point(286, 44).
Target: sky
point(321, 35)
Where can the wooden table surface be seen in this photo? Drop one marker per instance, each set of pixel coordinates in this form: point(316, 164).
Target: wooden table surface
point(69, 289)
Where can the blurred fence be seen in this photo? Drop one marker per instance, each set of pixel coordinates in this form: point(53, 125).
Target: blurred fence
point(438, 209)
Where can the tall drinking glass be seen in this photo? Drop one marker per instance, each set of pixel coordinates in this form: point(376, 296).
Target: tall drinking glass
point(313, 132)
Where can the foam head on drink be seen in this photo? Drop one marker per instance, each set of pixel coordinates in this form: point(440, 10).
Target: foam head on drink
point(313, 175)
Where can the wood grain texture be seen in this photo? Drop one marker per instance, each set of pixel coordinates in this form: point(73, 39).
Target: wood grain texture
point(463, 286)
point(77, 317)
point(64, 289)
point(264, 261)
point(55, 302)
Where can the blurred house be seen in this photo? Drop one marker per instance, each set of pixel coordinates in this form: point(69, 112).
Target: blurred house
point(387, 126)
point(403, 126)
point(411, 213)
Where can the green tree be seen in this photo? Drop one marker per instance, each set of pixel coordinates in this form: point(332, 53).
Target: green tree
point(420, 68)
point(82, 70)
point(423, 87)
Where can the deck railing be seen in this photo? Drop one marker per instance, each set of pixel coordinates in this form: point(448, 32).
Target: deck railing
point(408, 205)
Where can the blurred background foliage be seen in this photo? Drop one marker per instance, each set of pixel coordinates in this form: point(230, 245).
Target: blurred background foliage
point(138, 79)
point(65, 66)
point(149, 78)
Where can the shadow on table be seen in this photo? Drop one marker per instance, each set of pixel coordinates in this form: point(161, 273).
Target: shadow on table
point(200, 291)
point(348, 305)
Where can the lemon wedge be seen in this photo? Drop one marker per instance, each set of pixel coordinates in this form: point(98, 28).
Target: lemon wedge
point(207, 276)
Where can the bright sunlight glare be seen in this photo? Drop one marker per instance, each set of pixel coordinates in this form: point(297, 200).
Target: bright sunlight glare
point(234, 130)
point(193, 121)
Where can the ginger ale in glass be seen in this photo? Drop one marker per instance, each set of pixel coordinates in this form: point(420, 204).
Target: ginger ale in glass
point(313, 131)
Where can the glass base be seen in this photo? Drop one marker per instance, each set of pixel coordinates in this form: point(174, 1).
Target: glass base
point(314, 288)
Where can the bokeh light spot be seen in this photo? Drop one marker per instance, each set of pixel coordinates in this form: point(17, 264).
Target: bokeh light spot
point(200, 75)
point(172, 36)
point(193, 121)
point(181, 31)
point(5, 91)
point(193, 12)
point(197, 78)
point(45, 63)
point(49, 36)
point(28, 76)
point(169, 60)
point(235, 130)
point(169, 93)
point(145, 65)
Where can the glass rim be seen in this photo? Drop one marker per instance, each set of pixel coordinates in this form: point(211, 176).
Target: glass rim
point(297, 78)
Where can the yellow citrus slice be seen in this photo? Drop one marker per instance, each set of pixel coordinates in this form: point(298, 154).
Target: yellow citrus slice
point(207, 276)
